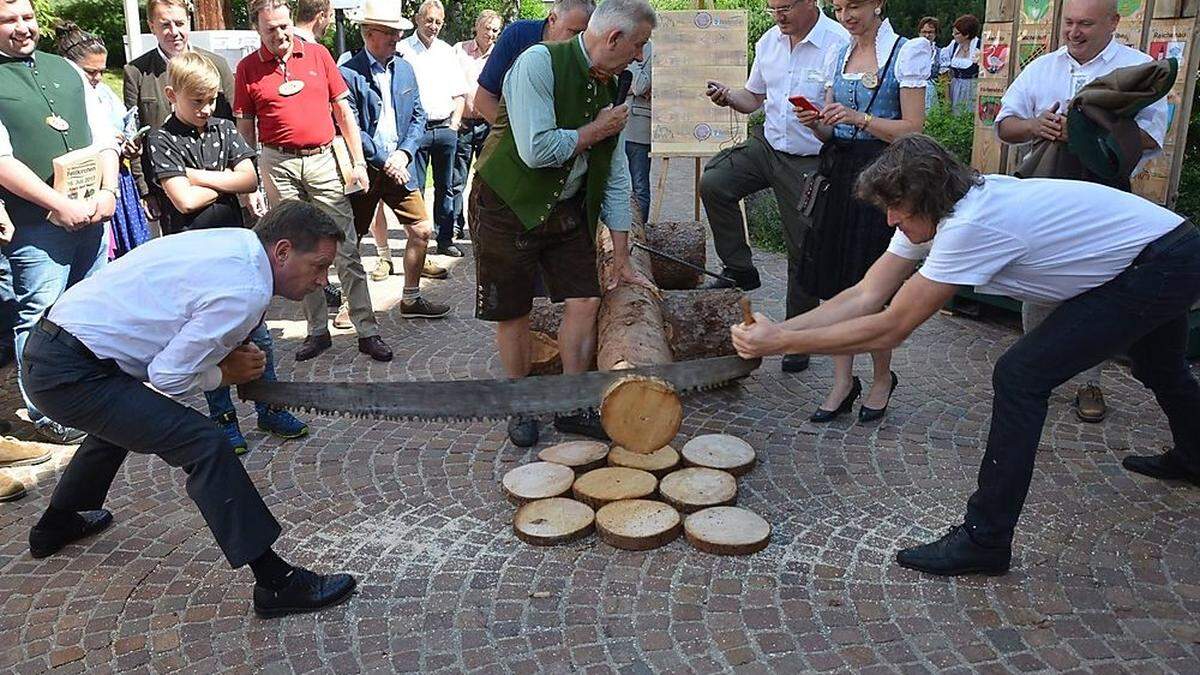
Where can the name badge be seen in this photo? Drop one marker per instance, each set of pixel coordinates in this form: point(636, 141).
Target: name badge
point(58, 123)
point(1079, 80)
point(814, 75)
point(290, 88)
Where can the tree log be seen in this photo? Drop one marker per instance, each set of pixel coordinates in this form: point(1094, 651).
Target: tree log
point(682, 239)
point(630, 328)
point(697, 323)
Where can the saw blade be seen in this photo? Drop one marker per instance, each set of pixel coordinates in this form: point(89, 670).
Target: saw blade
point(484, 399)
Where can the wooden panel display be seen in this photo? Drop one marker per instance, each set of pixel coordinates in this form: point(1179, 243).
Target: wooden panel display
point(1170, 38)
point(1167, 9)
point(690, 48)
point(1032, 41)
point(1037, 11)
point(1000, 10)
point(995, 54)
point(1133, 19)
point(987, 155)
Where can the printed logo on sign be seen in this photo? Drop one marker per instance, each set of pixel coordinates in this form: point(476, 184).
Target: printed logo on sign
point(703, 20)
point(703, 132)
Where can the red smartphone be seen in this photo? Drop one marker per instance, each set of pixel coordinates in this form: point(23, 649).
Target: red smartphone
point(803, 103)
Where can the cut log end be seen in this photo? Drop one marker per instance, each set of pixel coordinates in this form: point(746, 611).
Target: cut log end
point(539, 480)
point(727, 530)
point(638, 524)
point(582, 456)
point(603, 486)
point(557, 520)
point(641, 414)
point(660, 462)
point(719, 451)
point(690, 490)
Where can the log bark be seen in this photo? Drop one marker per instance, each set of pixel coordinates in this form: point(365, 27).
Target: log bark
point(630, 328)
point(214, 15)
point(697, 325)
point(698, 322)
point(682, 239)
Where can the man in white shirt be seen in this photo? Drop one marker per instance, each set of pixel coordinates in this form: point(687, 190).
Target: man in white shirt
point(1125, 270)
point(176, 313)
point(1034, 107)
point(789, 60)
point(313, 19)
point(443, 95)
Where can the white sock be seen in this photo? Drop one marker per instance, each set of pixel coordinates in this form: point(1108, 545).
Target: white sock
point(411, 294)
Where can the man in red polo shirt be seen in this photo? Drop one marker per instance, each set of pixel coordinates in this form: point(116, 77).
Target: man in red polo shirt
point(283, 95)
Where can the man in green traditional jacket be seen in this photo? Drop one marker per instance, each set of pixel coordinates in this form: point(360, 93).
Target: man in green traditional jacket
point(48, 112)
point(550, 170)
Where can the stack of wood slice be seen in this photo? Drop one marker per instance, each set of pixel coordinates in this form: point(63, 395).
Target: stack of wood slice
point(640, 501)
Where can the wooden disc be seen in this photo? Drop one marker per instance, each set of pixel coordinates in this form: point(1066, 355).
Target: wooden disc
point(539, 480)
point(690, 490)
point(719, 451)
point(579, 455)
point(637, 524)
point(557, 520)
point(660, 462)
point(601, 486)
point(726, 530)
point(641, 414)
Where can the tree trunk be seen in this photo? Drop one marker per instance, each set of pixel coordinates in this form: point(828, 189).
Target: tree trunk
point(214, 15)
point(544, 321)
point(698, 322)
point(683, 239)
point(630, 328)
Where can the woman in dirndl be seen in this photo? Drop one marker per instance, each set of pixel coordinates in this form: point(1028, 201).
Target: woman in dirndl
point(963, 63)
point(927, 28)
point(86, 51)
point(876, 93)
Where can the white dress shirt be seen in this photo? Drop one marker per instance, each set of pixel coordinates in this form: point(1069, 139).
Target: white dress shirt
point(1041, 240)
point(439, 75)
point(780, 71)
point(171, 309)
point(1056, 78)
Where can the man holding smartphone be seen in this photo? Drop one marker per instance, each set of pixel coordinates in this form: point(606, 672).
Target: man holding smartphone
point(788, 62)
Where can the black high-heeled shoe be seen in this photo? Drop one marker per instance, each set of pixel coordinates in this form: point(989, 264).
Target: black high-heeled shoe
point(866, 414)
point(822, 415)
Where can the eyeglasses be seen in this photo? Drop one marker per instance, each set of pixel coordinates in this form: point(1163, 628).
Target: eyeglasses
point(780, 11)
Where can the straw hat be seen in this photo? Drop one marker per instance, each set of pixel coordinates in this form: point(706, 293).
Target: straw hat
point(385, 13)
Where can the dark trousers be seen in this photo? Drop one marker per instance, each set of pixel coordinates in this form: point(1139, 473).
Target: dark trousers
point(438, 146)
point(122, 415)
point(471, 136)
point(738, 172)
point(1143, 312)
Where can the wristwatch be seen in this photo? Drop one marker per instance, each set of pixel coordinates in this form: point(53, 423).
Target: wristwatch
point(867, 117)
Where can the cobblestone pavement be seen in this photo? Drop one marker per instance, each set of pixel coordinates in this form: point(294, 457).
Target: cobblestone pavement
point(1105, 579)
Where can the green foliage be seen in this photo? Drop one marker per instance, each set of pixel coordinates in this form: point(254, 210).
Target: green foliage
point(764, 223)
point(906, 13)
point(1189, 179)
point(954, 131)
point(102, 17)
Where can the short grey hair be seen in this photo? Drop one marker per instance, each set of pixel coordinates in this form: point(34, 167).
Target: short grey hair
point(435, 4)
point(623, 15)
point(563, 6)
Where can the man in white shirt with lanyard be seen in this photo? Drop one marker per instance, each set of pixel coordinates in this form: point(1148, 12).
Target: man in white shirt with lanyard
point(176, 313)
point(443, 95)
point(1124, 270)
point(789, 60)
point(1035, 105)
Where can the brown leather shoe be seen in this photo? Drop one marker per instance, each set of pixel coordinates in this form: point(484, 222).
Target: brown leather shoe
point(375, 348)
point(11, 489)
point(312, 346)
point(433, 271)
point(1089, 404)
point(342, 320)
point(383, 270)
point(22, 453)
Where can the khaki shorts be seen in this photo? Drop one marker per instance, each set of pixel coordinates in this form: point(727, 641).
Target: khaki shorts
point(507, 255)
point(408, 205)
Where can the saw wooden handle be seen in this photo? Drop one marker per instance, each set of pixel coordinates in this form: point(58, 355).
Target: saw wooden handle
point(747, 312)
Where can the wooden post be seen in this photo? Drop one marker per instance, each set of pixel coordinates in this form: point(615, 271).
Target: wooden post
point(214, 15)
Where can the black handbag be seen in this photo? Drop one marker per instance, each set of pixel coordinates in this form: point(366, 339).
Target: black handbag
point(814, 187)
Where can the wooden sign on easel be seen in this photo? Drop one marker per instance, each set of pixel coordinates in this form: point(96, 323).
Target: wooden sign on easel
point(692, 47)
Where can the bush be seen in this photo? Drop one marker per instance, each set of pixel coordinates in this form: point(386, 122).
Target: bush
point(955, 131)
point(1189, 179)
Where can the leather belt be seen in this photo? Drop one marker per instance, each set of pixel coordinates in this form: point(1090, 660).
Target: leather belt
point(59, 333)
point(298, 152)
point(437, 124)
point(1163, 243)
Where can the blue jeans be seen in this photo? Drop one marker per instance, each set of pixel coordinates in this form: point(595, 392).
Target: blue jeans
point(1143, 312)
point(46, 260)
point(471, 135)
point(639, 173)
point(219, 399)
point(438, 146)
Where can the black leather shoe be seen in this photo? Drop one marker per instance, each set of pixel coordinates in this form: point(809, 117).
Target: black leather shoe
point(586, 423)
point(523, 431)
point(866, 414)
point(312, 346)
point(1163, 467)
point(794, 363)
point(954, 554)
point(375, 348)
point(45, 542)
point(306, 592)
point(747, 280)
point(822, 415)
